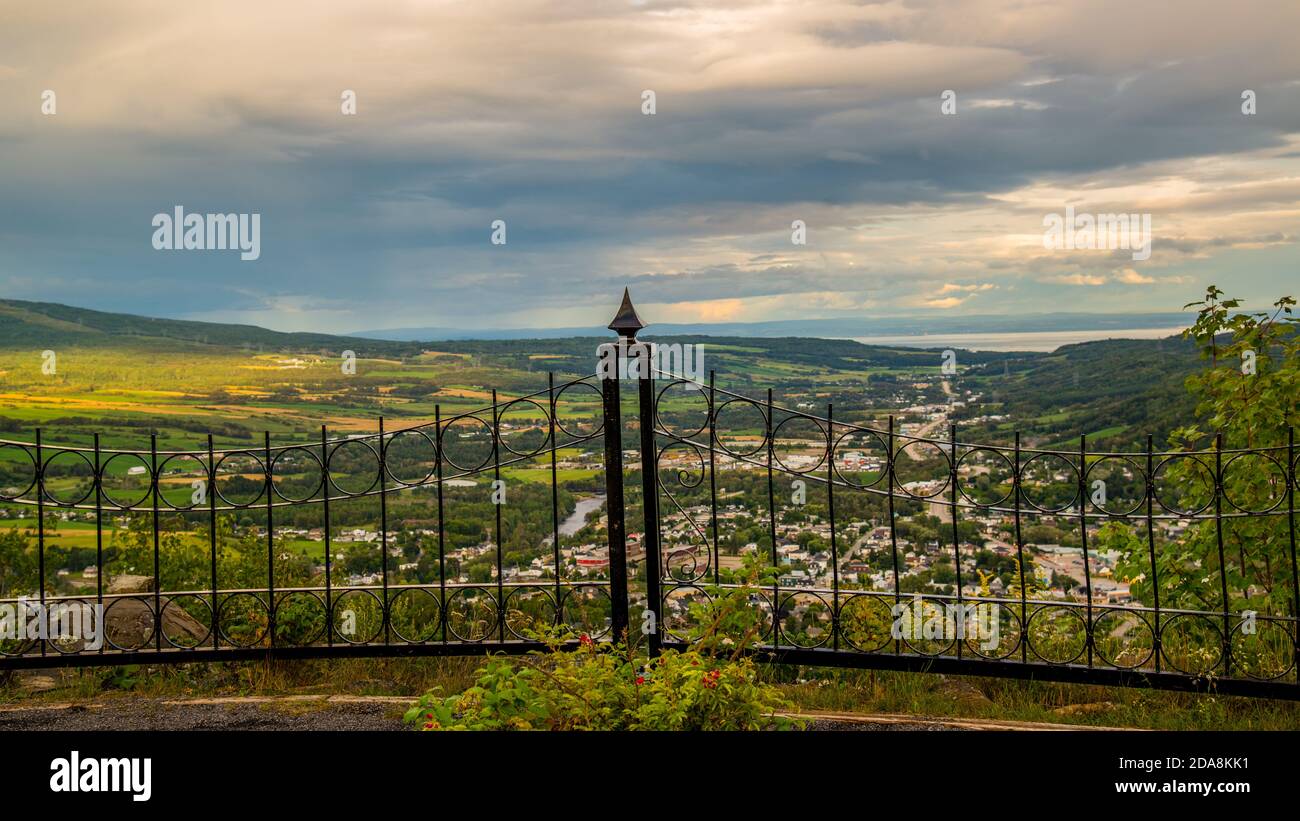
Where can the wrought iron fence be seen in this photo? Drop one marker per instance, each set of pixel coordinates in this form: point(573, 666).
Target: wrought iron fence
point(835, 617)
point(245, 607)
point(848, 600)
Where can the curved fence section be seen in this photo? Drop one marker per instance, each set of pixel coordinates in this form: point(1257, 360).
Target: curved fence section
point(437, 537)
point(914, 549)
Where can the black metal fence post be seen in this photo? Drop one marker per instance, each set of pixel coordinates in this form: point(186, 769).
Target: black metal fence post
point(614, 502)
point(611, 360)
point(650, 495)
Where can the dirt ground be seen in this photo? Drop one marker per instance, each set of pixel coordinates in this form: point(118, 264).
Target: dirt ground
point(210, 714)
point(342, 713)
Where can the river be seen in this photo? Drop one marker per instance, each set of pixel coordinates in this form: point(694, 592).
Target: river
point(575, 520)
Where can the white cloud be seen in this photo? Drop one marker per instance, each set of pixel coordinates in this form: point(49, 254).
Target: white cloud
point(1093, 280)
point(1129, 276)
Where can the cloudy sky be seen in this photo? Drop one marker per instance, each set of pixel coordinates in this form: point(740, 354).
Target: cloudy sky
point(531, 112)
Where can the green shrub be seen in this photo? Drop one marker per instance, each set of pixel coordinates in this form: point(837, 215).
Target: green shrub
point(712, 685)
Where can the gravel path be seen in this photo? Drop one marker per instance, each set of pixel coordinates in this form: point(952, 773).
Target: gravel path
point(874, 726)
point(212, 714)
point(360, 713)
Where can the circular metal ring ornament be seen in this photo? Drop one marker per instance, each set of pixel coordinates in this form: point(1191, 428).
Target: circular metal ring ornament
point(287, 454)
point(466, 420)
point(231, 456)
point(45, 478)
point(201, 474)
point(374, 474)
point(18, 491)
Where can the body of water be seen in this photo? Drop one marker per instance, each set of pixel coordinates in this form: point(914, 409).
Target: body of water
point(1021, 341)
point(575, 520)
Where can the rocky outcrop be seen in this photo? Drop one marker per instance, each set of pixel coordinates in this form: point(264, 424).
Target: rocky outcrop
point(128, 623)
point(129, 619)
point(130, 584)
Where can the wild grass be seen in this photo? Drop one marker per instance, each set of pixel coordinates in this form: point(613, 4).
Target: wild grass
point(928, 694)
point(812, 690)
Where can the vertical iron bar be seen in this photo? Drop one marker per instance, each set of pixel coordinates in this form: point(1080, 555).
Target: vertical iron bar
point(99, 538)
point(650, 495)
point(1083, 539)
point(713, 483)
point(893, 531)
point(1151, 547)
point(1290, 521)
point(157, 565)
point(617, 529)
point(771, 510)
point(383, 527)
point(211, 494)
point(1223, 567)
point(270, 540)
point(442, 531)
point(555, 490)
point(956, 536)
point(325, 514)
point(40, 526)
point(1020, 555)
point(496, 488)
point(830, 512)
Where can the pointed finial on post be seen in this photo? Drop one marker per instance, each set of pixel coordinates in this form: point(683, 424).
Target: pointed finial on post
point(626, 323)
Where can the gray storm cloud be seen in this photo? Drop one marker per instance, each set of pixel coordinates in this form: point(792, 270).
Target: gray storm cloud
point(767, 112)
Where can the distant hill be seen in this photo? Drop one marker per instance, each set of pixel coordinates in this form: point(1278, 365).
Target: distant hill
point(48, 324)
point(822, 328)
point(1127, 387)
point(1112, 389)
